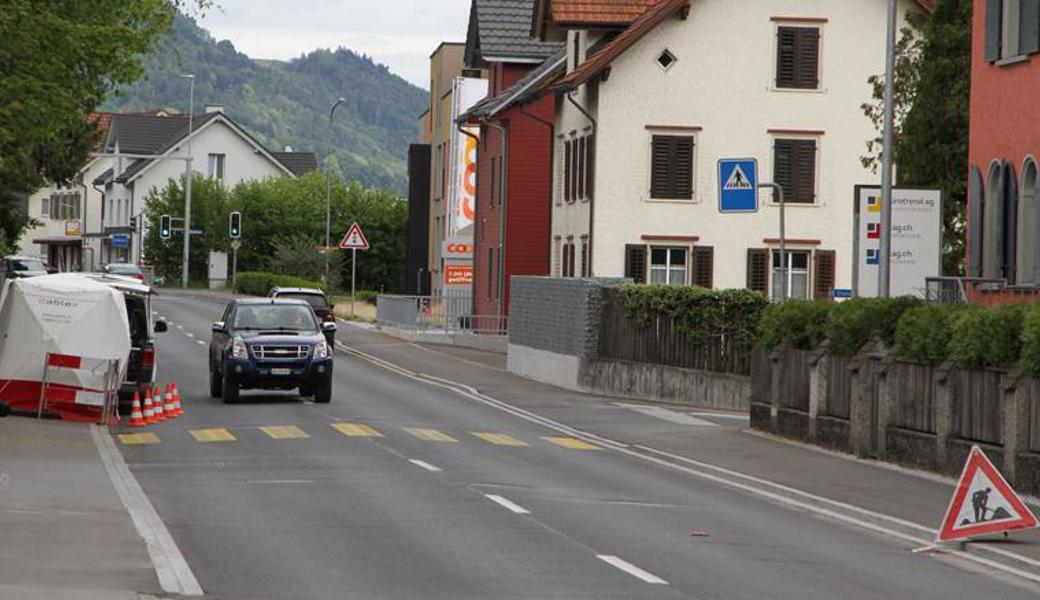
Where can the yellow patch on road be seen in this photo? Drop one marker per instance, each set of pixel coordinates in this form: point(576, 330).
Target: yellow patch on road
point(356, 430)
point(498, 439)
point(430, 435)
point(572, 443)
point(285, 432)
point(136, 439)
point(218, 434)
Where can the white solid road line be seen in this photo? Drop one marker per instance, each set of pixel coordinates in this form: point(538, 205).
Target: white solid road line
point(520, 510)
point(200, 342)
point(664, 414)
point(631, 569)
point(175, 576)
point(424, 464)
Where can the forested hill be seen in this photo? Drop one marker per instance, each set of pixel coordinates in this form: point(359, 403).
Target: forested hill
point(287, 103)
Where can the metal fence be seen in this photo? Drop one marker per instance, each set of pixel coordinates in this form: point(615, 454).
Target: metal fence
point(953, 290)
point(450, 314)
point(912, 389)
point(976, 405)
point(839, 386)
point(662, 342)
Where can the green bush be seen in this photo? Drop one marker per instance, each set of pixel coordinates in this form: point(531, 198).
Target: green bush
point(368, 296)
point(854, 323)
point(924, 332)
point(799, 323)
point(258, 283)
point(1031, 338)
point(987, 336)
point(699, 313)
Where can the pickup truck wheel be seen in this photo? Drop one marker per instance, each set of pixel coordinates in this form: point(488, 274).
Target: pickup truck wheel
point(323, 392)
point(230, 391)
point(216, 383)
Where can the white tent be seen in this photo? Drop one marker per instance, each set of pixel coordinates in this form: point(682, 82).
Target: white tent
point(65, 314)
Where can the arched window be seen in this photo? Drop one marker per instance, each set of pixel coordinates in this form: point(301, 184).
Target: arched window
point(993, 222)
point(1028, 251)
point(1010, 200)
point(976, 208)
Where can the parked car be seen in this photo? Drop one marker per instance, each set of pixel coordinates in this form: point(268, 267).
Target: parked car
point(16, 267)
point(319, 303)
point(140, 372)
point(124, 269)
point(270, 343)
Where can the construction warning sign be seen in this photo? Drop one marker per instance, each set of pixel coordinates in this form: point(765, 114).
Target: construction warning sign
point(355, 239)
point(983, 503)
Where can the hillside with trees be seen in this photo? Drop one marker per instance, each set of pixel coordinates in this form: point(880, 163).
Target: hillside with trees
point(287, 103)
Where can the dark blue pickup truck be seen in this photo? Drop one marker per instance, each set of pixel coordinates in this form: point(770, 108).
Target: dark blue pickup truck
point(270, 344)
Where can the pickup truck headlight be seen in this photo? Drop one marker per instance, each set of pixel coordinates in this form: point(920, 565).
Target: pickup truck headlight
point(321, 349)
point(238, 348)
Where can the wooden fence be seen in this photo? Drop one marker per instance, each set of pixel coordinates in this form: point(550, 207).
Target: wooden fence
point(839, 386)
point(912, 387)
point(976, 405)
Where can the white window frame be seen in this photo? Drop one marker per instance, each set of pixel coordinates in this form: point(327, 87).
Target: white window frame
point(819, 24)
point(668, 268)
point(217, 166)
point(775, 269)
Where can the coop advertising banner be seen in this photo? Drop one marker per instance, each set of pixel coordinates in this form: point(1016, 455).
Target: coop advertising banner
point(468, 91)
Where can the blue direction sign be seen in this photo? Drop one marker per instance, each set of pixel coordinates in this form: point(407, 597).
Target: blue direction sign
point(842, 293)
point(120, 240)
point(738, 185)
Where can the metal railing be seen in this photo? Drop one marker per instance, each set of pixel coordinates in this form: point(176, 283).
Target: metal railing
point(449, 314)
point(953, 290)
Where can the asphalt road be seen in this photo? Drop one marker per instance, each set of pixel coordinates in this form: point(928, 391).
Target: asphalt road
point(422, 493)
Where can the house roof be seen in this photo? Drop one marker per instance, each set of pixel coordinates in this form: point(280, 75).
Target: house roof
point(500, 30)
point(299, 163)
point(599, 12)
point(527, 87)
point(651, 18)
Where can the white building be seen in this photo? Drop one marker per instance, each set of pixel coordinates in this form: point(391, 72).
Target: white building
point(98, 220)
point(654, 96)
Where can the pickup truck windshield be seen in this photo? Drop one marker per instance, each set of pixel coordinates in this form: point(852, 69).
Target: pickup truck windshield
point(316, 301)
point(27, 264)
point(284, 317)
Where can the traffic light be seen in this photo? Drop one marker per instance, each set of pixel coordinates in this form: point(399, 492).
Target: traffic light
point(165, 227)
point(235, 225)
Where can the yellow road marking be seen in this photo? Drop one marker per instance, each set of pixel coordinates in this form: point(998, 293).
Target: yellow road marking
point(498, 439)
point(134, 439)
point(430, 435)
point(285, 432)
point(572, 443)
point(356, 430)
point(218, 434)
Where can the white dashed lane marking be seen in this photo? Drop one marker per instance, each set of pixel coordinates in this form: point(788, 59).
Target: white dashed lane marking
point(424, 465)
point(520, 510)
point(631, 569)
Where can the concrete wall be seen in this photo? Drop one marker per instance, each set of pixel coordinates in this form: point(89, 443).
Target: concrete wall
point(554, 337)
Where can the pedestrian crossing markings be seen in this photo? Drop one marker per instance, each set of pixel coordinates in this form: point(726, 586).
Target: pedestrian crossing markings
point(356, 430)
point(499, 439)
point(430, 435)
point(285, 432)
point(212, 435)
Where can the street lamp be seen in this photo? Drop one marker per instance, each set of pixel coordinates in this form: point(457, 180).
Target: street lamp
point(187, 184)
point(885, 250)
point(328, 191)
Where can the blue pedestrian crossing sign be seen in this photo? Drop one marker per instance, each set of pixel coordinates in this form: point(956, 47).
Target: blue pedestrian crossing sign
point(738, 185)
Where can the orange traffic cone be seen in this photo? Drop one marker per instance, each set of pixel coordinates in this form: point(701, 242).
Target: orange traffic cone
point(168, 408)
point(177, 410)
point(136, 416)
point(149, 412)
point(160, 414)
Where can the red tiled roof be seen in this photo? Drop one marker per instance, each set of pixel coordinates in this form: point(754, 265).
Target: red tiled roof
point(599, 12)
point(103, 121)
point(651, 17)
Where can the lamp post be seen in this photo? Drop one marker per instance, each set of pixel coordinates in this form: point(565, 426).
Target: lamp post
point(328, 191)
point(885, 262)
point(187, 186)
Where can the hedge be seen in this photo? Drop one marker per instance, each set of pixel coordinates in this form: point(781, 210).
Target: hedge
point(799, 323)
point(699, 313)
point(258, 283)
point(988, 337)
point(1031, 338)
point(924, 332)
point(852, 324)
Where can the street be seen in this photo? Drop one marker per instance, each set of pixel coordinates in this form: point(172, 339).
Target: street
point(403, 489)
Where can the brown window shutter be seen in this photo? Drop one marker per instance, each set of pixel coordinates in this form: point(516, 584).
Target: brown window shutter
point(703, 266)
point(568, 170)
point(794, 168)
point(590, 162)
point(824, 276)
point(683, 165)
point(570, 259)
point(758, 270)
point(635, 262)
point(807, 58)
point(661, 182)
point(576, 172)
point(581, 167)
point(786, 38)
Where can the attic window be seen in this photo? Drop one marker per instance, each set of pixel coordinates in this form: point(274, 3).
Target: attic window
point(666, 59)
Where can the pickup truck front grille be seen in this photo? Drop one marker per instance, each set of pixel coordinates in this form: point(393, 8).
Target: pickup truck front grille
point(282, 352)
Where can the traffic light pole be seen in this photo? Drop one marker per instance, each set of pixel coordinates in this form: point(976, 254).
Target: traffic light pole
point(187, 192)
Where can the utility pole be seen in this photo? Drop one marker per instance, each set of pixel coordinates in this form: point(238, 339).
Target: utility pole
point(885, 262)
point(328, 191)
point(187, 187)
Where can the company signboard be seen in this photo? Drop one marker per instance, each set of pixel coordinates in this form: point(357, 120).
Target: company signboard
point(916, 248)
point(458, 275)
point(457, 248)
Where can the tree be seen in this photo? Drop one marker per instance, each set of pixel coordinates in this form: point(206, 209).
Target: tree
point(58, 61)
point(932, 85)
point(299, 256)
point(210, 203)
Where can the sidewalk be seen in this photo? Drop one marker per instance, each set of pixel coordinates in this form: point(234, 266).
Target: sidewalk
point(64, 532)
point(916, 497)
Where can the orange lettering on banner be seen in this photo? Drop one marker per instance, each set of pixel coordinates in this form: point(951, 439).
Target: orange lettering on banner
point(458, 274)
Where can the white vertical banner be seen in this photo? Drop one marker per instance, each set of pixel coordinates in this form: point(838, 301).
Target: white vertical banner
point(462, 189)
point(916, 240)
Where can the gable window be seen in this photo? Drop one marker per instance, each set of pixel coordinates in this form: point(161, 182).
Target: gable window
point(668, 266)
point(794, 168)
point(216, 166)
point(1012, 28)
point(666, 59)
point(797, 57)
point(671, 167)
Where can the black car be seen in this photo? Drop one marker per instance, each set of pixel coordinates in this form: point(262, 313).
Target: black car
point(17, 267)
point(271, 344)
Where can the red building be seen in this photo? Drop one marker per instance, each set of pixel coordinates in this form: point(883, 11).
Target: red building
point(1003, 207)
point(514, 157)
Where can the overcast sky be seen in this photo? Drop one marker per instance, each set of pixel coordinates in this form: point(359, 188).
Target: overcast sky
point(398, 33)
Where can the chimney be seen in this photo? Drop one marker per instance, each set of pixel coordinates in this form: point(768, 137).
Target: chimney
point(215, 108)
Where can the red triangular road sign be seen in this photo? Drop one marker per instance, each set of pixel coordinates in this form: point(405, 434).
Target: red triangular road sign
point(355, 238)
point(983, 503)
